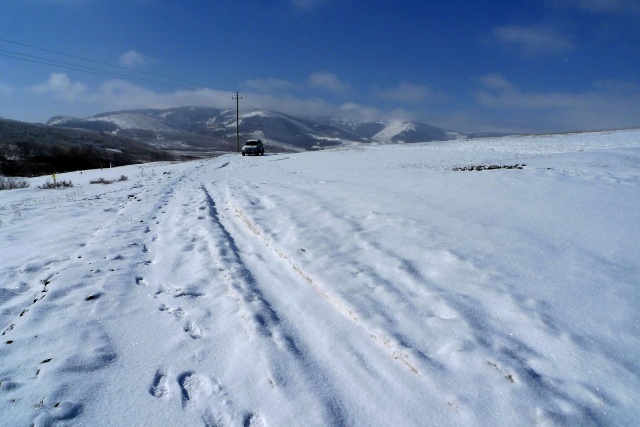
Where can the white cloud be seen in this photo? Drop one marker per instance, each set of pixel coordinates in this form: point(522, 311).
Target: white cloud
point(500, 104)
point(360, 112)
point(602, 6)
point(410, 93)
point(496, 81)
point(5, 90)
point(500, 93)
point(133, 59)
point(323, 80)
point(606, 105)
point(270, 85)
point(531, 41)
point(61, 86)
point(327, 81)
point(291, 104)
point(119, 94)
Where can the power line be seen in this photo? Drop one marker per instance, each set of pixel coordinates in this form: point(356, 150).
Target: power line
point(92, 70)
point(82, 68)
point(98, 62)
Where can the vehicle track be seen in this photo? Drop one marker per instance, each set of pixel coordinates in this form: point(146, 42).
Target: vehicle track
point(222, 296)
point(311, 312)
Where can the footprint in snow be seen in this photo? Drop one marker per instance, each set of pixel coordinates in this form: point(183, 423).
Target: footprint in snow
point(59, 412)
point(205, 394)
point(178, 313)
point(193, 330)
point(160, 386)
point(195, 388)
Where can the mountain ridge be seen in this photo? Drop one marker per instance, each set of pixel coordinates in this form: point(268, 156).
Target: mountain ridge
point(204, 129)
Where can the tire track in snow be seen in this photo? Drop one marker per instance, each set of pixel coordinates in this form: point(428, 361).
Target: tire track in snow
point(518, 361)
point(221, 279)
point(397, 352)
point(262, 319)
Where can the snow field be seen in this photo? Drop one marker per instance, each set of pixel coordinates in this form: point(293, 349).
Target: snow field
point(362, 286)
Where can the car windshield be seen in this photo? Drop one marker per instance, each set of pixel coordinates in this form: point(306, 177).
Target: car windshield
point(251, 143)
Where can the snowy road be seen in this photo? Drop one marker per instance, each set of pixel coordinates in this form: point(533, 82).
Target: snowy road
point(368, 286)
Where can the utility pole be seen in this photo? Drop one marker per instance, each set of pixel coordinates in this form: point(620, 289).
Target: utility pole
point(237, 98)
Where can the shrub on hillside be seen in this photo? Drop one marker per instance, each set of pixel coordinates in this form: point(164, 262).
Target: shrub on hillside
point(101, 181)
point(11, 183)
point(107, 181)
point(56, 184)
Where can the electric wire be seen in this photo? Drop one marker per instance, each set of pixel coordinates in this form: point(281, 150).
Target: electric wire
point(102, 72)
point(99, 62)
point(82, 68)
point(108, 73)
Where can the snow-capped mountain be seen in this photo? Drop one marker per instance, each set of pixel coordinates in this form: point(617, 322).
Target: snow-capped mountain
point(201, 129)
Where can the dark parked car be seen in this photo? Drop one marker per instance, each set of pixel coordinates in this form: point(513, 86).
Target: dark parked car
point(253, 146)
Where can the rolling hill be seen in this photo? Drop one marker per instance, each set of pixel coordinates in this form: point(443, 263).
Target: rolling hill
point(28, 149)
point(209, 130)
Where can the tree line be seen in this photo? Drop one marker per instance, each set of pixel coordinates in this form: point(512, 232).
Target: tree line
point(31, 150)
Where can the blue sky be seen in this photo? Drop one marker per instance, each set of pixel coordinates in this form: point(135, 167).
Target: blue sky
point(523, 66)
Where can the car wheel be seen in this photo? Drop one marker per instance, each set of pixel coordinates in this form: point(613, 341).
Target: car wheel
point(243, 154)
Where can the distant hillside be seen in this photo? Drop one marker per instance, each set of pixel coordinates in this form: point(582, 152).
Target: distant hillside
point(396, 131)
point(200, 130)
point(30, 149)
point(204, 132)
point(169, 130)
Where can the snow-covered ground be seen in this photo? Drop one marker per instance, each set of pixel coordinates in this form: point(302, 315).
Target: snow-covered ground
point(392, 129)
point(363, 286)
